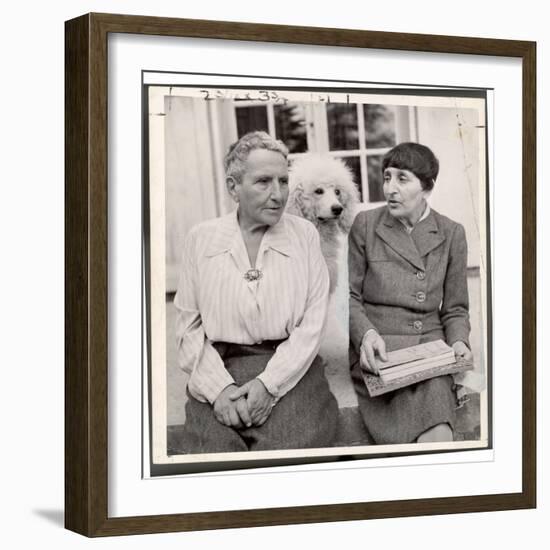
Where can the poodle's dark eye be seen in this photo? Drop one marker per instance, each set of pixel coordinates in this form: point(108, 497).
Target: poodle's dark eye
point(319, 190)
point(337, 192)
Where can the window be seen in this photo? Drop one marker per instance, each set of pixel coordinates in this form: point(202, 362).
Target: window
point(360, 134)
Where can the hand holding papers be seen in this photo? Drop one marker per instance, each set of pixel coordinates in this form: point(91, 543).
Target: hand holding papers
point(411, 365)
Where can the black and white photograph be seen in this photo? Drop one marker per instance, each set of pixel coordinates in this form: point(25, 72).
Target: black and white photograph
point(317, 272)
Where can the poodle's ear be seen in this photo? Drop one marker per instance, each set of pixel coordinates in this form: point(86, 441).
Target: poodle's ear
point(294, 204)
point(345, 221)
point(299, 203)
point(350, 201)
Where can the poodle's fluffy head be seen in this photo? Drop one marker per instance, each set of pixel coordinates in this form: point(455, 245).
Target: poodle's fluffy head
point(322, 190)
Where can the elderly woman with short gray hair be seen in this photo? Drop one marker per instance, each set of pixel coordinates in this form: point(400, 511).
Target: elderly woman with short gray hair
point(251, 306)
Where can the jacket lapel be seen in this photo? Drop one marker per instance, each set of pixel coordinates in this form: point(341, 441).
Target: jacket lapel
point(427, 235)
point(394, 234)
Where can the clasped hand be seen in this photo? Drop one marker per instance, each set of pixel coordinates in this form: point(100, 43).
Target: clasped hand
point(462, 351)
point(247, 405)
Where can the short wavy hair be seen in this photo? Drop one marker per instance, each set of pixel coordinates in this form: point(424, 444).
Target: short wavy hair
point(416, 158)
point(238, 152)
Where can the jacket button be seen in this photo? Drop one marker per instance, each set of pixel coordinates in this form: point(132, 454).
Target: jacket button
point(417, 325)
point(420, 296)
point(420, 275)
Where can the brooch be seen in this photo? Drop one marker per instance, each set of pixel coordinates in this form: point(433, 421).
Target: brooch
point(253, 275)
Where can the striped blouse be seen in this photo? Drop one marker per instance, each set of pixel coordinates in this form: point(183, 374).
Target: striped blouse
point(215, 303)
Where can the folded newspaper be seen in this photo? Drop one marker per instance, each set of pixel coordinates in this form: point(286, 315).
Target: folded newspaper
point(408, 366)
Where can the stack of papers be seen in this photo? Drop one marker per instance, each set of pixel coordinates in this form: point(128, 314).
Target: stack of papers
point(411, 365)
point(415, 359)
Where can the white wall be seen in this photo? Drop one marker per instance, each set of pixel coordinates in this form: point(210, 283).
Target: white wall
point(31, 219)
point(452, 136)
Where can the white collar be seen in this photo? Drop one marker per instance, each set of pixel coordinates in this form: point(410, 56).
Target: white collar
point(228, 236)
point(425, 214)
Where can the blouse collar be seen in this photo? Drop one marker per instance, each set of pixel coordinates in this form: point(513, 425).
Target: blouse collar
point(228, 236)
point(426, 213)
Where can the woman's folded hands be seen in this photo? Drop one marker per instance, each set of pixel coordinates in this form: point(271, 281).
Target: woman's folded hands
point(244, 406)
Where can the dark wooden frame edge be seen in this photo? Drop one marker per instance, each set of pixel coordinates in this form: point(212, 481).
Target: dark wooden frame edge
point(86, 482)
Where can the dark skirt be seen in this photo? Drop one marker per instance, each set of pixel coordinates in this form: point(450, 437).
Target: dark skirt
point(402, 415)
point(305, 417)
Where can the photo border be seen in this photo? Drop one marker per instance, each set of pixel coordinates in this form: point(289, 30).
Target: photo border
point(86, 279)
point(155, 435)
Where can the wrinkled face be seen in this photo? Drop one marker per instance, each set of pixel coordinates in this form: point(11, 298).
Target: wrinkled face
point(263, 190)
point(404, 194)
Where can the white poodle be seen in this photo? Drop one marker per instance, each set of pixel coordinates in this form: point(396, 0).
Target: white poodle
point(322, 190)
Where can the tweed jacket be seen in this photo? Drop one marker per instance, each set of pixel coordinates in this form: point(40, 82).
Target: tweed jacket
point(412, 288)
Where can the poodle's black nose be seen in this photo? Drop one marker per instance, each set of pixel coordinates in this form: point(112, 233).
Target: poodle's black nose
point(337, 209)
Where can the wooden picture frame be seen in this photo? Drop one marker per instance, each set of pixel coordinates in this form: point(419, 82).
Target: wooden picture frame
point(86, 279)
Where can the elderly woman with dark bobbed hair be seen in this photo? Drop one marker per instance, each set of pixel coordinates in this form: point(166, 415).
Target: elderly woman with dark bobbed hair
point(251, 305)
point(408, 285)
